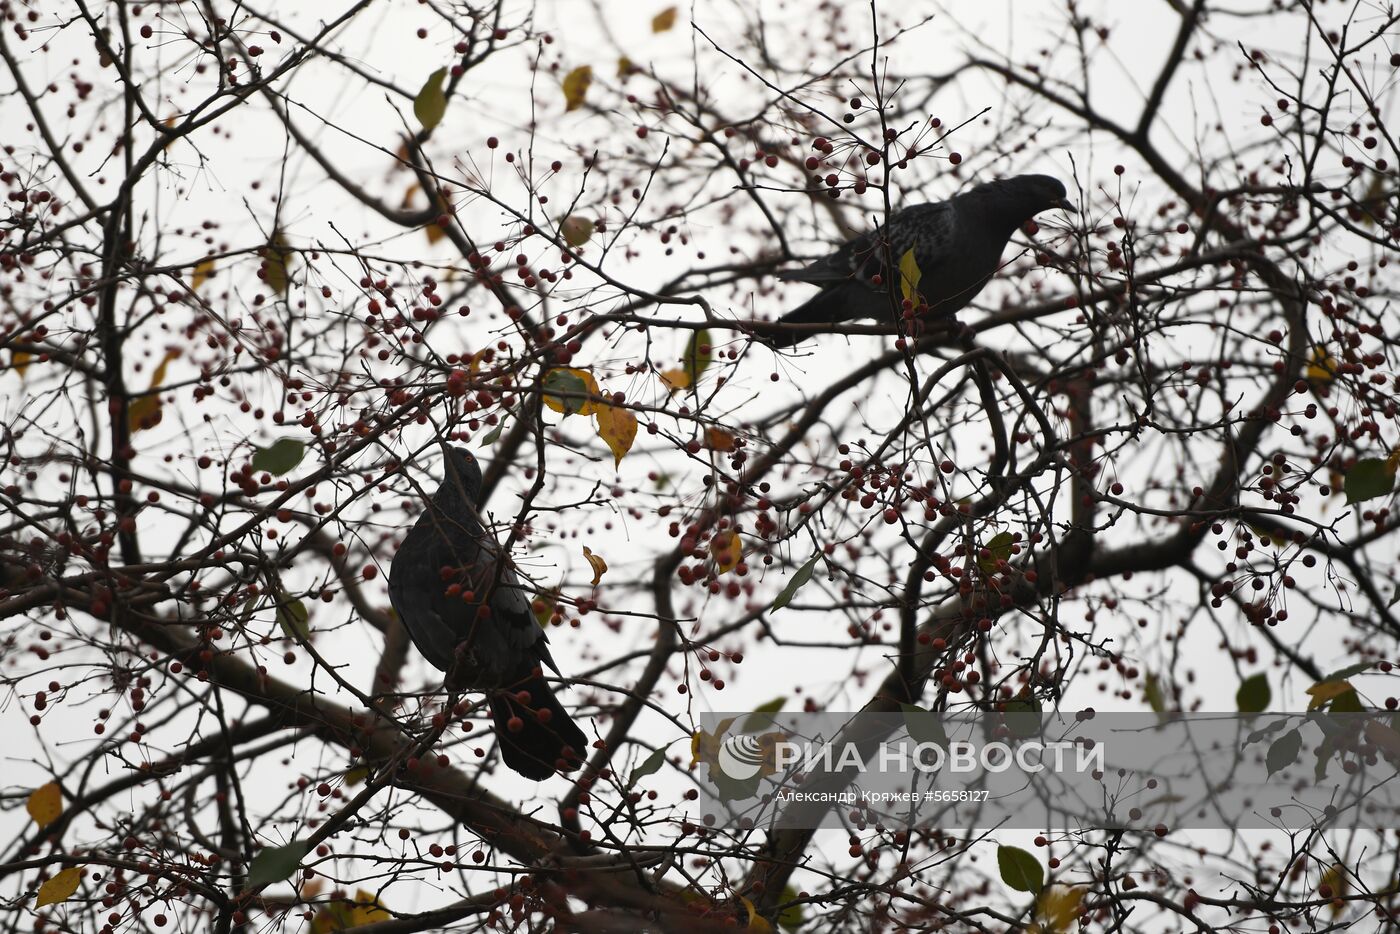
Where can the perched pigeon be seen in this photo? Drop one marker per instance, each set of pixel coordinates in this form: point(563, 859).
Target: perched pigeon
point(957, 245)
point(467, 612)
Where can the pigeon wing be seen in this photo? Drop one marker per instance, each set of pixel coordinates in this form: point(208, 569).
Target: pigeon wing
point(928, 229)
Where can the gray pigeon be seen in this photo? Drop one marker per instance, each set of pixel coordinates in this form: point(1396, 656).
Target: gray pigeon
point(466, 610)
point(957, 244)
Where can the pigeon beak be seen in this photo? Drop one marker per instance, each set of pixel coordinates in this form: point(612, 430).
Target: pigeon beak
point(1064, 204)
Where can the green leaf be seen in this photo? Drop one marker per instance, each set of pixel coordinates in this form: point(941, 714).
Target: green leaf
point(924, 726)
point(494, 435)
point(1254, 694)
point(431, 102)
point(1349, 671)
point(1347, 702)
point(1020, 870)
point(292, 617)
point(790, 917)
point(1000, 550)
point(276, 263)
point(650, 765)
point(762, 716)
point(698, 352)
point(280, 457)
point(1023, 717)
point(1368, 478)
point(276, 863)
point(568, 389)
point(1283, 751)
point(909, 276)
point(1155, 698)
point(798, 581)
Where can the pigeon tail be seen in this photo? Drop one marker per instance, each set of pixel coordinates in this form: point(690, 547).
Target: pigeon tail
point(845, 302)
point(547, 740)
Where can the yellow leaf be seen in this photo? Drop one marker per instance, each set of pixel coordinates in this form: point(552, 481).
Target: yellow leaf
point(1324, 691)
point(576, 85)
point(1372, 203)
point(408, 194)
point(201, 274)
point(1335, 879)
point(544, 605)
point(617, 427)
point(625, 67)
point(599, 566)
point(576, 229)
point(60, 888)
point(19, 360)
point(169, 124)
point(368, 909)
point(431, 103)
point(664, 20)
point(145, 411)
point(569, 384)
point(434, 232)
point(331, 918)
point(676, 380)
point(1323, 367)
point(1057, 908)
point(756, 921)
point(726, 548)
point(704, 747)
point(909, 276)
point(275, 259)
point(45, 804)
point(717, 439)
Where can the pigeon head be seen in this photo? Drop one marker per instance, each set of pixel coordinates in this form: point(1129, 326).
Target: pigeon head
point(1019, 199)
point(461, 475)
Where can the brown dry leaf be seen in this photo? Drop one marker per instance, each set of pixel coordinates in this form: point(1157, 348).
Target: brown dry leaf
point(1057, 908)
point(60, 888)
point(600, 567)
point(618, 428)
point(664, 20)
point(726, 548)
point(19, 360)
point(45, 804)
point(717, 439)
point(576, 85)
